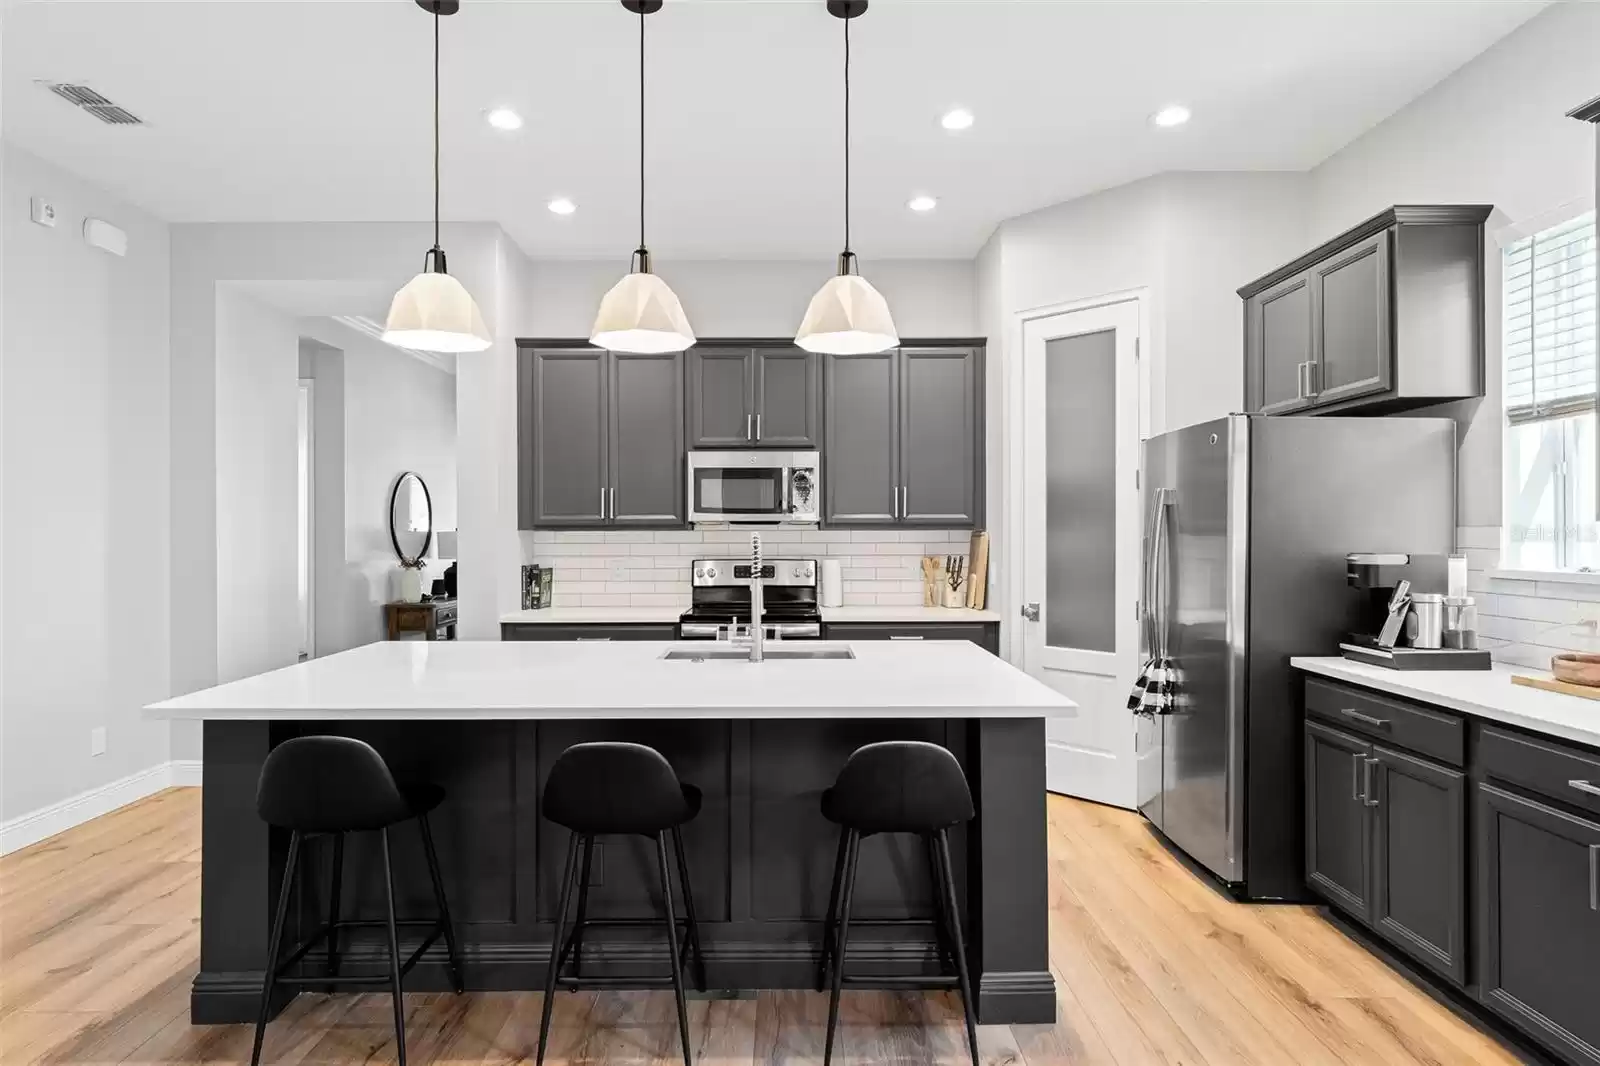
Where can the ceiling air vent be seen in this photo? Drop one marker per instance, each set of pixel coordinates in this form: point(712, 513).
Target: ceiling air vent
point(92, 102)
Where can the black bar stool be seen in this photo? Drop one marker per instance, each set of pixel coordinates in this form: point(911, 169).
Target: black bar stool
point(612, 788)
point(337, 785)
point(898, 786)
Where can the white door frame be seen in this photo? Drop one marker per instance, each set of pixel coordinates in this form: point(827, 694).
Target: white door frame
point(309, 387)
point(1152, 371)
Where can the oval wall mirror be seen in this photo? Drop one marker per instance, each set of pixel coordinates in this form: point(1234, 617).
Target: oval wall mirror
point(410, 518)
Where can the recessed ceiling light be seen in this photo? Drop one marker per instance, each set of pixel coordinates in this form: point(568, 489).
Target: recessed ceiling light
point(561, 206)
point(956, 119)
point(1171, 115)
point(503, 118)
point(922, 203)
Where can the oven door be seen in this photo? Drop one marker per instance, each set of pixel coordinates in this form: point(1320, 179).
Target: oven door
point(738, 493)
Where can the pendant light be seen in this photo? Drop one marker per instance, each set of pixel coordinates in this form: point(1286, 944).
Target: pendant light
point(847, 316)
point(641, 313)
point(434, 312)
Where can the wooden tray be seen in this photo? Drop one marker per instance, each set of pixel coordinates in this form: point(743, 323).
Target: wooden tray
point(1550, 684)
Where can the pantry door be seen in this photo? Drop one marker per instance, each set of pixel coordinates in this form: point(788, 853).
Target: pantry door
point(1080, 532)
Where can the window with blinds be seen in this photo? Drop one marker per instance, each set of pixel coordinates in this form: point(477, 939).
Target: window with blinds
point(1550, 323)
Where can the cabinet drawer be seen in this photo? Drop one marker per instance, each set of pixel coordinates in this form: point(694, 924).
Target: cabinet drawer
point(445, 616)
point(985, 635)
point(544, 631)
point(1405, 725)
point(1565, 774)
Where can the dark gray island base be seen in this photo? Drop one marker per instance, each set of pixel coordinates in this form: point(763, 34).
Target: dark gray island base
point(760, 857)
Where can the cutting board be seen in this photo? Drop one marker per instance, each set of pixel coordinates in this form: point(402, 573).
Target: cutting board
point(1550, 684)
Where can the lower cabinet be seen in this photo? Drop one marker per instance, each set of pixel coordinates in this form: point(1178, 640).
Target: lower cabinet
point(619, 631)
point(984, 634)
point(1539, 920)
point(1386, 844)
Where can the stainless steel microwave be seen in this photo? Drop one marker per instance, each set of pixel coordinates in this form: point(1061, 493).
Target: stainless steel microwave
point(755, 488)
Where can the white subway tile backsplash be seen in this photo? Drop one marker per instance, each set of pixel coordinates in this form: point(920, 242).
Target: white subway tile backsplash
point(650, 568)
point(1523, 621)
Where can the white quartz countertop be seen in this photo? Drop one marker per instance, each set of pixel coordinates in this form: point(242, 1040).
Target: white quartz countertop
point(635, 615)
point(881, 613)
point(1487, 694)
point(626, 679)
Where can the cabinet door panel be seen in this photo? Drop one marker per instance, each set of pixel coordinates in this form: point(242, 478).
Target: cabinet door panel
point(787, 405)
point(1338, 831)
point(721, 398)
point(861, 458)
point(1539, 915)
point(1350, 312)
point(566, 396)
point(1278, 341)
point(647, 454)
point(1419, 860)
point(938, 436)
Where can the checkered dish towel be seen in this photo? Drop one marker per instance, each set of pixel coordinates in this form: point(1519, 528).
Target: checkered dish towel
point(1152, 694)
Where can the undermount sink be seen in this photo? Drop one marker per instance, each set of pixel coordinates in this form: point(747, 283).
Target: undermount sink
point(725, 654)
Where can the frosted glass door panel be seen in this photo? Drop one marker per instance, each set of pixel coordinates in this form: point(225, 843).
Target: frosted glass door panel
point(1080, 479)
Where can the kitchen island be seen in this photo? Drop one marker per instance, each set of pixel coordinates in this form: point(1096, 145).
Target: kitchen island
point(762, 740)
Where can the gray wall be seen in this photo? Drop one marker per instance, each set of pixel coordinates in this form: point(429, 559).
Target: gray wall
point(84, 428)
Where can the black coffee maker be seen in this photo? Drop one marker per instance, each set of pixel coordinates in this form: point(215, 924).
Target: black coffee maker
point(1391, 587)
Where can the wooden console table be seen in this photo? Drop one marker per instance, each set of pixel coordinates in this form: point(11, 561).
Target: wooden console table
point(427, 618)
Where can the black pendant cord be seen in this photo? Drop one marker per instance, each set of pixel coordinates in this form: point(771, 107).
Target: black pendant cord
point(641, 129)
point(847, 251)
point(436, 130)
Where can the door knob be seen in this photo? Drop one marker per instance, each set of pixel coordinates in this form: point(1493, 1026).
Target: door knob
point(1030, 611)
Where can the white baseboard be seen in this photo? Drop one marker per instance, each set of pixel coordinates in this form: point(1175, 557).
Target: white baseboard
point(46, 822)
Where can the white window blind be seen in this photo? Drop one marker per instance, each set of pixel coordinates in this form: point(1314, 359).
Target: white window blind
point(1550, 313)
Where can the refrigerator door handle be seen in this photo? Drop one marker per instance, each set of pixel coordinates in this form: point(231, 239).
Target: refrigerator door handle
point(1158, 566)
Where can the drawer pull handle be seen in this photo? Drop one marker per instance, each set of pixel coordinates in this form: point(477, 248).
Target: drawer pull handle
point(1584, 786)
point(601, 640)
point(1594, 877)
point(918, 636)
point(1376, 723)
point(1366, 782)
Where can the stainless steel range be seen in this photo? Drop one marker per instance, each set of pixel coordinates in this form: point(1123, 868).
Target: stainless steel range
point(721, 597)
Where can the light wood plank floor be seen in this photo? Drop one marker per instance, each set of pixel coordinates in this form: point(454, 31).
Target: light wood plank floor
point(99, 938)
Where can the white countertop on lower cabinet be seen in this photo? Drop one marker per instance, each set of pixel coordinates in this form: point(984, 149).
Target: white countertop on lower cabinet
point(1487, 694)
point(925, 615)
point(597, 616)
point(420, 680)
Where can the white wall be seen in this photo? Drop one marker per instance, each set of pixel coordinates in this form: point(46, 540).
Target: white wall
point(1494, 132)
point(386, 413)
point(86, 486)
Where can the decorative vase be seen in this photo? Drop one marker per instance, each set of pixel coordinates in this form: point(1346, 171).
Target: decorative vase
point(410, 585)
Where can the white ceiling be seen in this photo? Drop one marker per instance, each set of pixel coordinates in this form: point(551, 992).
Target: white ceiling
point(280, 111)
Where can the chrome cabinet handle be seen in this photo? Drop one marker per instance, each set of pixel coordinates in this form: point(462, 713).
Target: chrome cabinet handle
point(1313, 379)
point(1594, 877)
point(602, 503)
point(1376, 723)
point(758, 427)
point(1357, 761)
point(905, 636)
point(1584, 786)
point(1366, 782)
point(1300, 381)
point(600, 640)
point(749, 427)
point(613, 503)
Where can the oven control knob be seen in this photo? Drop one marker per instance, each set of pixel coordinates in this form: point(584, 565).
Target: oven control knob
point(711, 572)
point(799, 571)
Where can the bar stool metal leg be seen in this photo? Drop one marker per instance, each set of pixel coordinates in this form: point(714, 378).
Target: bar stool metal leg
point(847, 893)
point(692, 941)
point(831, 920)
point(276, 939)
point(333, 907)
point(581, 921)
point(436, 875)
point(672, 946)
point(555, 947)
point(394, 953)
point(948, 905)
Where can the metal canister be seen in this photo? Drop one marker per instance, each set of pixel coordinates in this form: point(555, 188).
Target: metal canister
point(1425, 625)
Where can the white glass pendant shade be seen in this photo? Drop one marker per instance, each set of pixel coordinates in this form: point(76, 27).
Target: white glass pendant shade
point(435, 313)
point(847, 316)
point(641, 314)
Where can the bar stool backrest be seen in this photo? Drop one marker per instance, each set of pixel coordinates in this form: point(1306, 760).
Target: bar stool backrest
point(328, 785)
point(614, 787)
point(902, 786)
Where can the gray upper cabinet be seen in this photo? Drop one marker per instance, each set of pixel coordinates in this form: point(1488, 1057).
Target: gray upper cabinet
point(1278, 325)
point(754, 397)
point(860, 456)
point(721, 398)
point(564, 413)
point(904, 438)
point(939, 439)
point(1387, 316)
point(1539, 913)
point(600, 439)
point(646, 440)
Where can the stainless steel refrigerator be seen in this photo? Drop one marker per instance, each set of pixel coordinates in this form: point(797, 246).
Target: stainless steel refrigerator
point(1247, 523)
